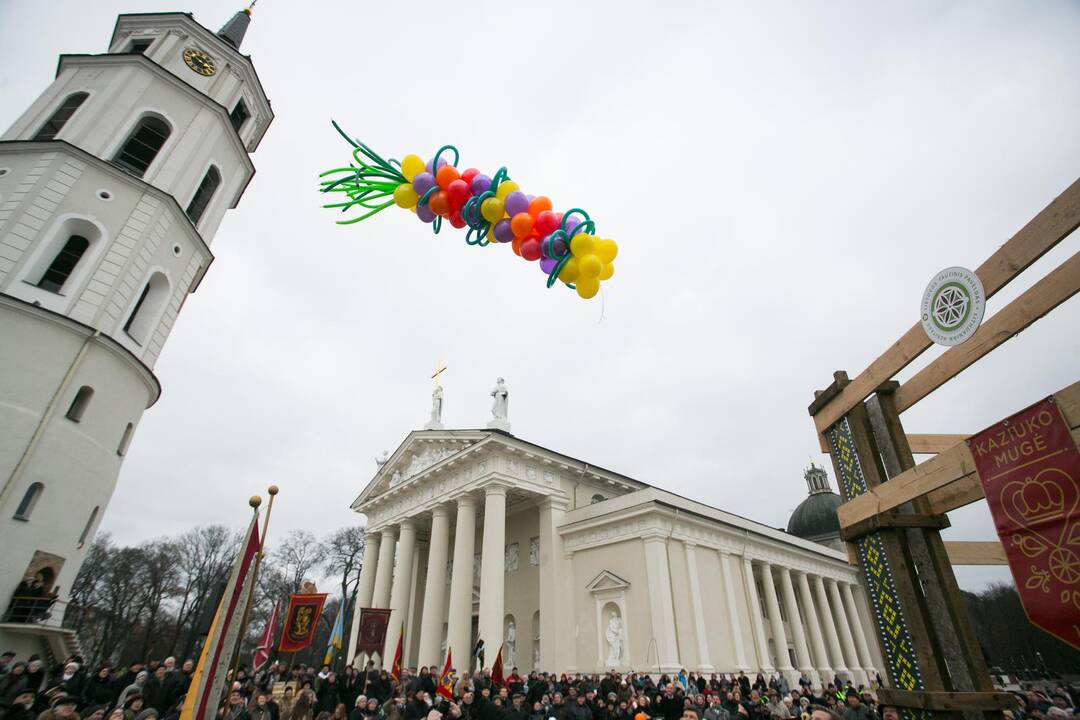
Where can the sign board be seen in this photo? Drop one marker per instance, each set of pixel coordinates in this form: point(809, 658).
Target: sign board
point(1029, 466)
point(952, 306)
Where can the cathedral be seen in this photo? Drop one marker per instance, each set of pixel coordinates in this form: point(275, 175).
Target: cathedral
point(478, 534)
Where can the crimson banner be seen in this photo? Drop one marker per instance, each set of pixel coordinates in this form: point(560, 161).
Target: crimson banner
point(1029, 466)
point(371, 637)
point(301, 620)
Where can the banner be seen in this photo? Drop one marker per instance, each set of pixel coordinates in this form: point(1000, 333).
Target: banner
point(301, 621)
point(497, 674)
point(371, 637)
point(336, 635)
point(1029, 466)
point(208, 680)
point(395, 667)
point(266, 642)
point(446, 683)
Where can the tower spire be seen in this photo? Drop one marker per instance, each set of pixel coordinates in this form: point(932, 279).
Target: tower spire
point(233, 31)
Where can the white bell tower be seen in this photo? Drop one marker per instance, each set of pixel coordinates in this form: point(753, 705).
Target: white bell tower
point(112, 186)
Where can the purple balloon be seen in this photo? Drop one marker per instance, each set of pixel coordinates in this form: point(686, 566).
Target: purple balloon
point(502, 231)
point(547, 265)
point(425, 213)
point(442, 161)
point(558, 247)
point(423, 182)
point(515, 203)
point(480, 185)
point(572, 222)
point(545, 243)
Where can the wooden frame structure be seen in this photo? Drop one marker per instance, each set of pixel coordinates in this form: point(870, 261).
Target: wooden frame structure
point(894, 510)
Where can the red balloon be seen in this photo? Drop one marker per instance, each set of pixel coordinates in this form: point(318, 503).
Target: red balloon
point(456, 220)
point(439, 203)
point(458, 192)
point(530, 249)
point(538, 205)
point(546, 223)
point(469, 174)
point(446, 175)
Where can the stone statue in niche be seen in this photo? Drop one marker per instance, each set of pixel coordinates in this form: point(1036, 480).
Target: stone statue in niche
point(536, 649)
point(614, 635)
point(510, 558)
point(500, 406)
point(511, 644)
point(534, 551)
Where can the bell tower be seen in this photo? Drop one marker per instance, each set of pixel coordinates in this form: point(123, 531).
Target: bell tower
point(112, 186)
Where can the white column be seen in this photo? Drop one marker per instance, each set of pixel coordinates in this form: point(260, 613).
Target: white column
point(756, 621)
point(700, 631)
point(384, 573)
point(802, 653)
point(831, 637)
point(364, 588)
point(847, 642)
point(733, 612)
point(492, 571)
point(555, 606)
point(821, 658)
point(435, 589)
point(661, 608)
point(399, 594)
point(779, 637)
point(412, 604)
point(459, 620)
point(866, 660)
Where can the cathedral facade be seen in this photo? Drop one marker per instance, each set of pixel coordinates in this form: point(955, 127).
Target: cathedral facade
point(481, 535)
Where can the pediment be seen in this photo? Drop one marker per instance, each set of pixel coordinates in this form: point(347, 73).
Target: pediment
point(420, 451)
point(607, 580)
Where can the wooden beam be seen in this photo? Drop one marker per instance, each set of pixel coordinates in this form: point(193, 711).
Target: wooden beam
point(1042, 297)
point(937, 475)
point(948, 701)
point(893, 520)
point(963, 552)
point(1056, 221)
point(924, 444)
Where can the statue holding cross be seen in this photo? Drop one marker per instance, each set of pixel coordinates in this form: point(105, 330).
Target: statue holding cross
point(435, 423)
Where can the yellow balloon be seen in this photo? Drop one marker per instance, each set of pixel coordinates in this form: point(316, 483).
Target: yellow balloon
point(492, 210)
point(581, 245)
point(590, 266)
point(505, 188)
point(405, 196)
point(587, 287)
point(607, 272)
point(570, 271)
point(411, 166)
point(607, 250)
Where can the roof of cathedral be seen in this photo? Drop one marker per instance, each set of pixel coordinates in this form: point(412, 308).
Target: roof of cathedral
point(815, 518)
point(233, 31)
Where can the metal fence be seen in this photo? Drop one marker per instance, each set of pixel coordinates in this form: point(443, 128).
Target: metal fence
point(35, 610)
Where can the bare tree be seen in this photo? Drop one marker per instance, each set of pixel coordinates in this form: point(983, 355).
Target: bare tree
point(204, 555)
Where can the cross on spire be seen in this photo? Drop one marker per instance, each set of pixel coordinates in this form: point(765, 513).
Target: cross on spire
point(439, 370)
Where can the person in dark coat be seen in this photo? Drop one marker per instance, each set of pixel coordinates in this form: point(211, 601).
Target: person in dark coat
point(328, 695)
point(21, 704)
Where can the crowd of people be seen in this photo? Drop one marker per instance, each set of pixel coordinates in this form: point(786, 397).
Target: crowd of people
point(156, 691)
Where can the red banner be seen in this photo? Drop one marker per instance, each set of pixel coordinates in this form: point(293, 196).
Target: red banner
point(301, 620)
point(1029, 466)
point(371, 637)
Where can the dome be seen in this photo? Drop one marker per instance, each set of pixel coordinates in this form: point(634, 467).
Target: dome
point(815, 518)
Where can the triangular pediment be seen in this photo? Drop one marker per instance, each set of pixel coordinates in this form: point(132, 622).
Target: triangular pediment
point(607, 580)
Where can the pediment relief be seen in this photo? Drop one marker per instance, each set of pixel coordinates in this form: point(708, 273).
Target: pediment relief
point(607, 580)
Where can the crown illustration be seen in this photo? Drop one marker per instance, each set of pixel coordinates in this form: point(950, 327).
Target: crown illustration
point(1036, 500)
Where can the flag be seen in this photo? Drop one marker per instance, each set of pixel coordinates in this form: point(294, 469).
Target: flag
point(395, 669)
point(209, 677)
point(266, 642)
point(478, 652)
point(497, 678)
point(336, 635)
point(371, 637)
point(446, 685)
point(682, 679)
point(301, 620)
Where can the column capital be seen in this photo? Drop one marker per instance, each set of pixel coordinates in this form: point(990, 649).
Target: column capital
point(440, 511)
point(406, 524)
point(465, 501)
point(653, 536)
point(495, 489)
point(390, 531)
point(552, 502)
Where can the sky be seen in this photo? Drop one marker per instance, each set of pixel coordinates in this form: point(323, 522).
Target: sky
point(783, 179)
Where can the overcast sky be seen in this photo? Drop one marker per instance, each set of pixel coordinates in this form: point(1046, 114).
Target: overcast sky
point(782, 179)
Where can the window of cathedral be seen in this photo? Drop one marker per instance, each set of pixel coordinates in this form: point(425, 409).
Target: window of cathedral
point(29, 501)
point(63, 264)
point(201, 199)
point(104, 195)
point(147, 309)
point(125, 439)
point(80, 403)
point(239, 115)
point(55, 124)
point(143, 145)
point(4, 171)
point(597, 498)
point(89, 525)
point(139, 45)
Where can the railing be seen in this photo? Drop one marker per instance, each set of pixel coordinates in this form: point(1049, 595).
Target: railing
point(35, 610)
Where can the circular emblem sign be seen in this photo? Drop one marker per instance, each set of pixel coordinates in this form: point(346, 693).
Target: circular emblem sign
point(953, 306)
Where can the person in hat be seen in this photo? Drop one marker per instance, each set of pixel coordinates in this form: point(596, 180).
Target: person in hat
point(22, 701)
point(855, 709)
point(62, 707)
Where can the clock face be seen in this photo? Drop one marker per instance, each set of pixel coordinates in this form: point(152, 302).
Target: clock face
point(199, 61)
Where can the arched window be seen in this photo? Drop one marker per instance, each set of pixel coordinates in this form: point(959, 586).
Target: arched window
point(54, 124)
point(60, 268)
point(143, 145)
point(79, 404)
point(29, 501)
point(121, 449)
point(147, 308)
point(597, 498)
point(206, 190)
point(89, 525)
point(239, 115)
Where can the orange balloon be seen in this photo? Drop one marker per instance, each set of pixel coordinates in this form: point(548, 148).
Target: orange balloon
point(440, 201)
point(538, 205)
point(521, 224)
point(446, 175)
point(515, 245)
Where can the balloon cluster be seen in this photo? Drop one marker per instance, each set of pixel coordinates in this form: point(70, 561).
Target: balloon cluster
point(493, 208)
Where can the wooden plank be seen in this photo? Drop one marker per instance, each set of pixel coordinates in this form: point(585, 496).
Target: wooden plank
point(1055, 222)
point(893, 520)
point(1058, 286)
point(927, 444)
point(964, 491)
point(939, 472)
point(964, 552)
point(997, 700)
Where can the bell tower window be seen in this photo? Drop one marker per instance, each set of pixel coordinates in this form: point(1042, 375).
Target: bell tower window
point(239, 115)
point(80, 403)
point(63, 264)
point(140, 45)
point(143, 145)
point(201, 199)
point(55, 124)
point(147, 309)
point(29, 500)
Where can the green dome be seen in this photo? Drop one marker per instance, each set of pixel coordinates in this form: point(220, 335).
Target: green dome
point(816, 518)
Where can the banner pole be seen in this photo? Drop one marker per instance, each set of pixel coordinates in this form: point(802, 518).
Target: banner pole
point(273, 491)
